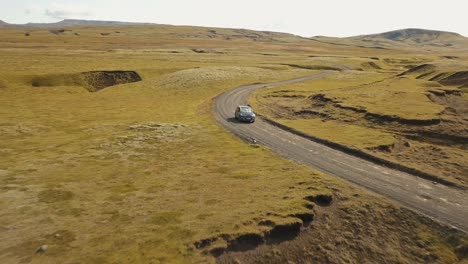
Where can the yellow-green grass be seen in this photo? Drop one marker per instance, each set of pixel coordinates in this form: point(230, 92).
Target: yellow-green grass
point(376, 93)
point(403, 97)
point(352, 95)
point(355, 136)
point(134, 172)
point(116, 192)
point(137, 173)
point(168, 39)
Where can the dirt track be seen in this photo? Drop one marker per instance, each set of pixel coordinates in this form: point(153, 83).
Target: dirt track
point(442, 203)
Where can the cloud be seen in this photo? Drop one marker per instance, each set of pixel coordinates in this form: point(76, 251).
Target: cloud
point(63, 14)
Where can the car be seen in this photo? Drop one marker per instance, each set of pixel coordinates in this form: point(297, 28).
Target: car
point(244, 113)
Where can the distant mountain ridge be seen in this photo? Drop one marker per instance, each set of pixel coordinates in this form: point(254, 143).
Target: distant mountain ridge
point(76, 22)
point(415, 35)
point(404, 36)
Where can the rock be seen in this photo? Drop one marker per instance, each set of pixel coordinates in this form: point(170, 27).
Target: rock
point(42, 249)
point(407, 144)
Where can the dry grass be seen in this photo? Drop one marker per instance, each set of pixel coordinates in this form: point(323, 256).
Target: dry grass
point(116, 161)
point(346, 134)
point(140, 172)
point(412, 121)
point(404, 98)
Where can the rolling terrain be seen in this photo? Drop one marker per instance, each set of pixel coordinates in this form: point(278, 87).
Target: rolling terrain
point(110, 152)
point(422, 40)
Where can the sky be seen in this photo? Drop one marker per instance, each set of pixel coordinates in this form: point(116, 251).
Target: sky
point(338, 18)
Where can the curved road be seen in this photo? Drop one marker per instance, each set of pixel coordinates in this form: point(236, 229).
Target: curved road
point(444, 204)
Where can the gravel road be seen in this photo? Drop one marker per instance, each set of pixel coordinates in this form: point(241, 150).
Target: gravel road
point(442, 203)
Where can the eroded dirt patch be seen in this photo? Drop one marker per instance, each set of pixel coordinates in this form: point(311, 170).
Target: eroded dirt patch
point(93, 81)
point(277, 229)
point(455, 79)
point(371, 65)
point(322, 100)
point(97, 80)
point(420, 69)
point(384, 235)
point(59, 31)
point(321, 199)
point(435, 143)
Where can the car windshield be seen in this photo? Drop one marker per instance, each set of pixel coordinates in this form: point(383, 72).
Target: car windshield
point(246, 110)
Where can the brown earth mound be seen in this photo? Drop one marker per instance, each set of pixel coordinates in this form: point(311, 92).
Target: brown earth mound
point(456, 79)
point(362, 238)
point(322, 100)
point(313, 67)
point(97, 80)
point(420, 69)
point(371, 65)
point(58, 31)
point(93, 81)
point(277, 232)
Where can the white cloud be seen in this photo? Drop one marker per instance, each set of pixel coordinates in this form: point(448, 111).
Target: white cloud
point(53, 11)
point(67, 10)
point(64, 14)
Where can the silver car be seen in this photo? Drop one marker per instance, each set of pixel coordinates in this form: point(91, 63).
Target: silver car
point(244, 113)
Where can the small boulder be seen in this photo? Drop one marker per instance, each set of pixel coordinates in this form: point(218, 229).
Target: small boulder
point(42, 249)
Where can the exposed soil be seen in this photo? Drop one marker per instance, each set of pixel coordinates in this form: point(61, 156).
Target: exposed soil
point(420, 69)
point(366, 235)
point(371, 65)
point(374, 117)
point(436, 146)
point(436, 143)
point(93, 81)
point(450, 57)
point(206, 51)
point(422, 76)
point(97, 80)
point(321, 199)
point(58, 31)
point(276, 232)
point(456, 79)
point(313, 67)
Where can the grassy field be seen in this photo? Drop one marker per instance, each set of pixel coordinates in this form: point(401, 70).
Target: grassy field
point(401, 117)
point(141, 172)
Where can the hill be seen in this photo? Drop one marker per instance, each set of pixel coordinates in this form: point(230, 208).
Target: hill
point(77, 22)
point(110, 135)
point(398, 39)
point(411, 38)
point(146, 32)
point(416, 35)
